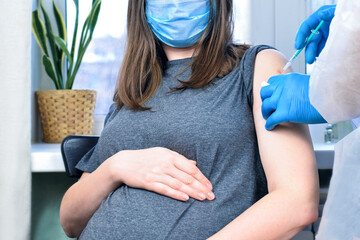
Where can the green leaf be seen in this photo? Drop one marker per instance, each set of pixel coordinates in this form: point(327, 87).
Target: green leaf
point(95, 16)
point(84, 32)
point(62, 31)
point(60, 42)
point(85, 38)
point(50, 70)
point(90, 23)
point(60, 22)
point(76, 2)
point(55, 54)
point(80, 56)
point(38, 29)
point(72, 51)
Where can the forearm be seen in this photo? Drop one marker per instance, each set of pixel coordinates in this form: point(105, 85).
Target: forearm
point(279, 215)
point(84, 198)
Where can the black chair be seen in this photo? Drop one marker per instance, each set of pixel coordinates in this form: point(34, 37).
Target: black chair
point(73, 148)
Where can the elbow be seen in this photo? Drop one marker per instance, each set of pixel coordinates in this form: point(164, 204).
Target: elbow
point(309, 214)
point(69, 229)
point(71, 234)
point(69, 226)
point(303, 206)
point(307, 211)
point(310, 210)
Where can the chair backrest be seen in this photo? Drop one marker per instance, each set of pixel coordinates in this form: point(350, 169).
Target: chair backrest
point(73, 148)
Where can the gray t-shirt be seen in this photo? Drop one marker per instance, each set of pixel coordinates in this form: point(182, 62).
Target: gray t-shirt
point(214, 126)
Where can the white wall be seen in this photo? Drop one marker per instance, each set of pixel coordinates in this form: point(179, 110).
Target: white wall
point(15, 173)
point(275, 23)
point(262, 22)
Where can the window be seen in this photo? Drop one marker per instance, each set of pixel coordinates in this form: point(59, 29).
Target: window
point(242, 21)
point(102, 61)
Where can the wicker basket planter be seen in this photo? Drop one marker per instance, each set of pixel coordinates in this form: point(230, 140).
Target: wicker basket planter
point(66, 112)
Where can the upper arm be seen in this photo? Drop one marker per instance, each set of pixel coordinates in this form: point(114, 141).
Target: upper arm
point(286, 152)
point(84, 175)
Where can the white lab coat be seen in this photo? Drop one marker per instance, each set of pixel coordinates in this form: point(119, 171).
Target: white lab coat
point(356, 122)
point(335, 79)
point(335, 93)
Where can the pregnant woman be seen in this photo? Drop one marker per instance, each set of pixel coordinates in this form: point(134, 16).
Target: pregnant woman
point(184, 153)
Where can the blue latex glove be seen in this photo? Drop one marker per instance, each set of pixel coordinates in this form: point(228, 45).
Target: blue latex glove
point(317, 43)
point(286, 99)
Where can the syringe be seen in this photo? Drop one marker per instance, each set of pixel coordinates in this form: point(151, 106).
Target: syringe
point(313, 32)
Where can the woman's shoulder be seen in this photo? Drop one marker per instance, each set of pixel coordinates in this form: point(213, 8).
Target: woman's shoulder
point(246, 61)
point(113, 110)
point(255, 52)
point(258, 58)
point(270, 59)
point(262, 58)
point(268, 62)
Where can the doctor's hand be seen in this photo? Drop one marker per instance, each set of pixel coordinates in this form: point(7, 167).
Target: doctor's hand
point(286, 99)
point(162, 171)
point(318, 42)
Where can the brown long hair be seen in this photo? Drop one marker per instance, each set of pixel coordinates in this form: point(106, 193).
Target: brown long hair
point(144, 60)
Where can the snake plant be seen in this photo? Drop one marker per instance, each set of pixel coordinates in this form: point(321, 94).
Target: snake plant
point(54, 47)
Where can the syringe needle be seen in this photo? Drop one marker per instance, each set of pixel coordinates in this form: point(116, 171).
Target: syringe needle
point(288, 64)
point(313, 32)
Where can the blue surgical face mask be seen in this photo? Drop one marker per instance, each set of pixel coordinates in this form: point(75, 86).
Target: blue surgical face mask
point(178, 23)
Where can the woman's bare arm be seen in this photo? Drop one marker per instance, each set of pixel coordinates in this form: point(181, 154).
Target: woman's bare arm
point(83, 198)
point(289, 163)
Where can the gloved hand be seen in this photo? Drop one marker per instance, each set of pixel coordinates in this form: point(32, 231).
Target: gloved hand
point(317, 43)
point(286, 99)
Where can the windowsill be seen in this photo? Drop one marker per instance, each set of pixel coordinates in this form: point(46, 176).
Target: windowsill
point(46, 157)
point(324, 154)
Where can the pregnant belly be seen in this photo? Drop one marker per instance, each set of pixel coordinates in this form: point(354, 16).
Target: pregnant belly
point(130, 213)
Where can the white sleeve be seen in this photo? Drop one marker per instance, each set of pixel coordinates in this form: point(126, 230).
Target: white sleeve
point(335, 80)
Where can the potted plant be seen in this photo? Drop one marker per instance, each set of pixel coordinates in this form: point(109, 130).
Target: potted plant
point(64, 111)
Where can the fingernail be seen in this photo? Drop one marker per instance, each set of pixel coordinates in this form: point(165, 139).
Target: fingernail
point(209, 186)
point(211, 195)
point(184, 197)
point(201, 196)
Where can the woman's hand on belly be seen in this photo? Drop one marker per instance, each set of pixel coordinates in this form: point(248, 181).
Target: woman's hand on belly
point(162, 171)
